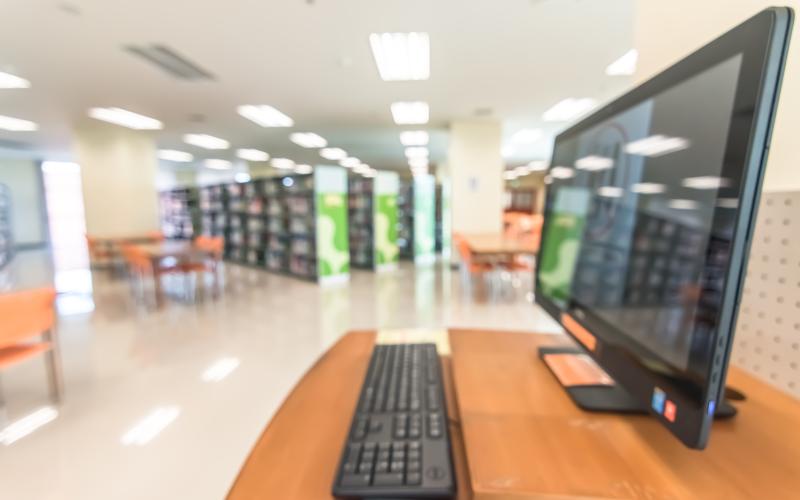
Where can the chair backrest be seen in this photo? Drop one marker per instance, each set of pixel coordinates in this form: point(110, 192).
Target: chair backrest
point(464, 251)
point(214, 244)
point(134, 257)
point(26, 314)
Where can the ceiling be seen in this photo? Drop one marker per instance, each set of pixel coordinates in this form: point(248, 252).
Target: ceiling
point(311, 60)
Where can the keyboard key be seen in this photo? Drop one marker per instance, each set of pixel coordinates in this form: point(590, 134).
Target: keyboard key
point(413, 478)
point(370, 446)
point(414, 445)
point(365, 468)
point(413, 454)
point(368, 456)
point(349, 467)
point(414, 466)
point(383, 455)
point(397, 466)
point(355, 480)
point(390, 479)
point(382, 466)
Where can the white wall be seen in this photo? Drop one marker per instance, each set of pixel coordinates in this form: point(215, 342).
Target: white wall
point(665, 32)
point(118, 171)
point(23, 178)
point(475, 168)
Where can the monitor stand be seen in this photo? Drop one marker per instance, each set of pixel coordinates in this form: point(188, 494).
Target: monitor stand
point(607, 396)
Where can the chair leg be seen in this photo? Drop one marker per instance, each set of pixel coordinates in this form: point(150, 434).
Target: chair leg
point(54, 373)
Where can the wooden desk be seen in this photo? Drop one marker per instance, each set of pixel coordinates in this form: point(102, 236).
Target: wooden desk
point(520, 436)
point(493, 245)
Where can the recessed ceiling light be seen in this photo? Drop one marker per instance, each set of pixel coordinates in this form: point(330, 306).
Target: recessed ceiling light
point(241, 177)
point(252, 154)
point(507, 151)
point(308, 140)
point(361, 169)
point(9, 81)
point(510, 175)
point(526, 136)
point(27, 425)
point(562, 173)
point(175, 155)
point(569, 109)
point(522, 170)
point(706, 182)
point(414, 138)
point(594, 163)
point(683, 204)
point(333, 154)
point(402, 56)
point(548, 179)
point(410, 113)
point(150, 426)
point(648, 188)
point(538, 165)
point(206, 141)
point(217, 164)
point(370, 174)
point(17, 125)
point(656, 145)
point(625, 65)
point(421, 162)
point(417, 152)
point(350, 162)
point(282, 163)
point(125, 118)
point(610, 191)
point(303, 169)
point(264, 115)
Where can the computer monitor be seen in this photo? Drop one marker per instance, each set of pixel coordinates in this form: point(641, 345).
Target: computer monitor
point(648, 218)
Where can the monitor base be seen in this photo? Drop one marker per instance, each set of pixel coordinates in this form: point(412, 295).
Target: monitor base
point(613, 398)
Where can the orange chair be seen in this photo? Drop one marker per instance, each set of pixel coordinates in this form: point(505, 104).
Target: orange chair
point(101, 255)
point(215, 246)
point(27, 314)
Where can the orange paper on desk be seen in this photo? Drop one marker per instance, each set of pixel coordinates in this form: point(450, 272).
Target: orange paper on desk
point(579, 332)
point(576, 369)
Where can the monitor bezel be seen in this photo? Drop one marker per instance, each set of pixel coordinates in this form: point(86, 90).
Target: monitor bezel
point(762, 41)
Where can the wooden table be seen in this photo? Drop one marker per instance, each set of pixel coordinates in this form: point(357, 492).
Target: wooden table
point(516, 434)
point(184, 252)
point(497, 245)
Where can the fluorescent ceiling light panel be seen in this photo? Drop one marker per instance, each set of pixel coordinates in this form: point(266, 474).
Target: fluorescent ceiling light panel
point(538, 165)
point(206, 141)
point(370, 174)
point(522, 170)
point(562, 173)
point(264, 115)
point(17, 125)
point(282, 163)
point(9, 81)
point(569, 109)
point(241, 177)
point(509, 176)
point(308, 140)
point(402, 56)
point(421, 162)
point(350, 162)
point(217, 164)
point(125, 118)
point(683, 204)
point(225, 366)
point(648, 188)
point(593, 163)
point(175, 155)
point(610, 191)
point(150, 426)
point(526, 136)
point(706, 182)
point(507, 151)
point(414, 138)
point(27, 425)
point(656, 145)
point(361, 169)
point(625, 65)
point(303, 169)
point(548, 179)
point(333, 154)
point(410, 113)
point(252, 154)
point(417, 152)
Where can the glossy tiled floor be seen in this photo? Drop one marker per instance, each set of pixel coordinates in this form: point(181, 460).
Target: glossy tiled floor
point(166, 404)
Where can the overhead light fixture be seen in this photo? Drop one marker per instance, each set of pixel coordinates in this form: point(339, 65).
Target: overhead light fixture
point(303, 169)
point(16, 124)
point(610, 191)
point(27, 425)
point(538, 165)
point(417, 152)
point(706, 182)
point(220, 369)
point(593, 163)
point(562, 173)
point(308, 140)
point(252, 154)
point(125, 118)
point(679, 204)
point(241, 177)
point(648, 188)
point(414, 138)
point(175, 155)
point(333, 154)
point(402, 56)
point(370, 174)
point(420, 162)
point(569, 109)
point(510, 175)
point(282, 163)
point(361, 169)
point(206, 141)
point(625, 65)
point(656, 145)
point(217, 164)
point(526, 136)
point(522, 170)
point(416, 172)
point(150, 426)
point(350, 162)
point(507, 151)
point(9, 81)
point(264, 115)
point(410, 112)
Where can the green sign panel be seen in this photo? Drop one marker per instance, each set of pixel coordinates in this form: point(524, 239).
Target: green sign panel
point(387, 252)
point(333, 252)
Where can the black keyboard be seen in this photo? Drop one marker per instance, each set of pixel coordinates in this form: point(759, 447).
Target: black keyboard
point(398, 444)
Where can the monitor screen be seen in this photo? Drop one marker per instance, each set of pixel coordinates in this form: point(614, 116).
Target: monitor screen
point(648, 214)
